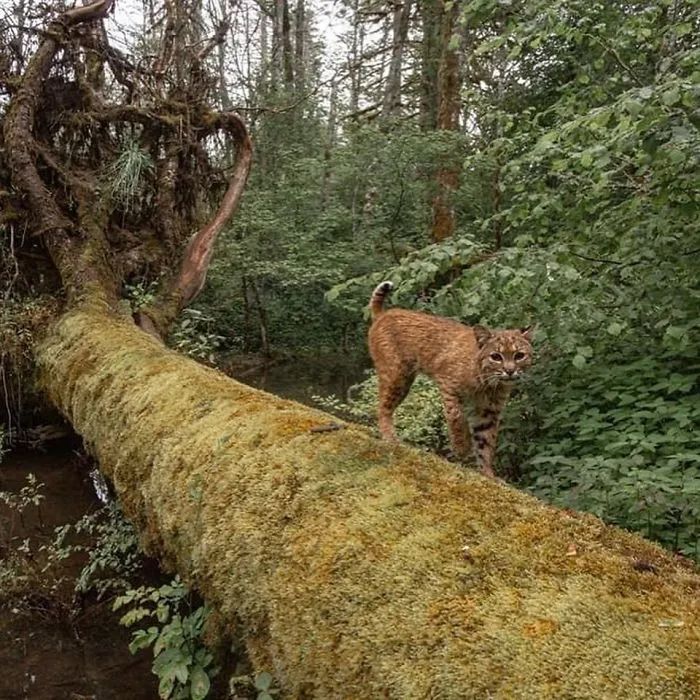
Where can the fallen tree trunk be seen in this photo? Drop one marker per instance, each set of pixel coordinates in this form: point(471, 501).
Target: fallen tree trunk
point(354, 569)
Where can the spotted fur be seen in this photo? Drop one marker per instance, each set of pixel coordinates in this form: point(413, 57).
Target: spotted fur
point(468, 363)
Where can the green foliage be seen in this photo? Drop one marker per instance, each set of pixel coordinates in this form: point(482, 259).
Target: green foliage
point(583, 165)
point(314, 220)
point(194, 335)
point(126, 175)
point(181, 661)
point(623, 445)
point(108, 543)
point(28, 495)
point(18, 568)
point(140, 293)
point(113, 555)
point(419, 419)
point(261, 685)
point(175, 626)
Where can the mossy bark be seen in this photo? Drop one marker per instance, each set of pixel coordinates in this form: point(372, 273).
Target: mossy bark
point(357, 569)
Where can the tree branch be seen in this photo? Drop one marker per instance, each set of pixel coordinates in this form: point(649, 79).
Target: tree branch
point(192, 273)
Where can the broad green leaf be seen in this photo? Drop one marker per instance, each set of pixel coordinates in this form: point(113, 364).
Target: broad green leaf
point(263, 681)
point(199, 683)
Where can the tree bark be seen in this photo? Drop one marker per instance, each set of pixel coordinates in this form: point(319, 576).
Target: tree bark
point(300, 45)
point(392, 90)
point(353, 568)
point(283, 42)
point(355, 72)
point(262, 318)
point(430, 60)
point(447, 112)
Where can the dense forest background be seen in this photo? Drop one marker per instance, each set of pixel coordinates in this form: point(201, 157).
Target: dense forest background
point(502, 162)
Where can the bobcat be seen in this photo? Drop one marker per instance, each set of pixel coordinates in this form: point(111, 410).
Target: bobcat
point(465, 362)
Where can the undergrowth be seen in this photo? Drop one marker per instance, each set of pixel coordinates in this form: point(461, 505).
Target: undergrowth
point(168, 618)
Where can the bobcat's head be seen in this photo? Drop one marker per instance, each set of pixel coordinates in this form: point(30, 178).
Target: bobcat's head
point(503, 354)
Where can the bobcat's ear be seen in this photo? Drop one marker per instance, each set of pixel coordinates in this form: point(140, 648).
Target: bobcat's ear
point(482, 335)
point(528, 332)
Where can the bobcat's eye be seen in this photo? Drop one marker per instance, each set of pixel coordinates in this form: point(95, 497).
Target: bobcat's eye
point(519, 356)
point(496, 357)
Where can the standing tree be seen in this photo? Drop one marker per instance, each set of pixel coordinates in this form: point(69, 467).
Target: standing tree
point(392, 89)
point(442, 103)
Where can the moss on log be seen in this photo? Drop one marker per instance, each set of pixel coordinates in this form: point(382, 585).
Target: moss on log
point(354, 569)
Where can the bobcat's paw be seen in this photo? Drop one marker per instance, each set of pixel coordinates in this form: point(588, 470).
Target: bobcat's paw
point(452, 456)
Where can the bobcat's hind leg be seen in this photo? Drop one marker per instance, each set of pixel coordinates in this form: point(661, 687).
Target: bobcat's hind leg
point(392, 391)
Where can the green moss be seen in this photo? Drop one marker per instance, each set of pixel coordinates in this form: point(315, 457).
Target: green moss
point(360, 570)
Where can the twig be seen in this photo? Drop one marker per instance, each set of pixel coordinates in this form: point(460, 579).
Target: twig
point(604, 261)
point(617, 58)
point(327, 428)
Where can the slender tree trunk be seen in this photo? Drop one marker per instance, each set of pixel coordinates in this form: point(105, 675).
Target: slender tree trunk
point(262, 319)
point(266, 65)
point(448, 107)
point(355, 68)
point(430, 61)
point(20, 16)
point(329, 145)
point(222, 77)
point(377, 93)
point(496, 206)
point(299, 45)
point(392, 91)
point(283, 42)
point(246, 312)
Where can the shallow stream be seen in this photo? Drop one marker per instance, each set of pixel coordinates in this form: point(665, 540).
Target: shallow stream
point(45, 652)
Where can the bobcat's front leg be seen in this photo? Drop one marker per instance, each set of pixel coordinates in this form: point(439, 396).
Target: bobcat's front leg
point(484, 428)
point(454, 415)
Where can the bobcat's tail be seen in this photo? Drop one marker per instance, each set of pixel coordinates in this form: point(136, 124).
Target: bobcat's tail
point(380, 293)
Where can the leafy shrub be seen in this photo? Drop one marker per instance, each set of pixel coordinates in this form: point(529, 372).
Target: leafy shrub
point(140, 293)
point(181, 661)
point(194, 335)
point(21, 581)
point(114, 562)
point(260, 684)
point(418, 420)
point(586, 223)
point(113, 555)
point(621, 443)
